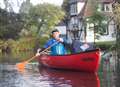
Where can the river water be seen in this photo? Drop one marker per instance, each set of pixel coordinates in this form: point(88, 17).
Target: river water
point(34, 76)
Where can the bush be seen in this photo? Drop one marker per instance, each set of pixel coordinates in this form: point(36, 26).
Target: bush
point(105, 45)
point(23, 44)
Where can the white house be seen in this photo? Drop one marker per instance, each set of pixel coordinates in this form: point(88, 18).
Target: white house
point(75, 28)
point(104, 6)
point(78, 9)
point(62, 29)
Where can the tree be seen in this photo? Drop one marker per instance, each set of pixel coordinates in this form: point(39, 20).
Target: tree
point(96, 17)
point(10, 22)
point(24, 12)
point(66, 8)
point(8, 6)
point(10, 25)
point(43, 17)
point(25, 7)
point(116, 11)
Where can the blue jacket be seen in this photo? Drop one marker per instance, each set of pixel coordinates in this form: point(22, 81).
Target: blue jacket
point(57, 49)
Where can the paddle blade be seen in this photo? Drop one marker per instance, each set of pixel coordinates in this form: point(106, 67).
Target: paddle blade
point(21, 65)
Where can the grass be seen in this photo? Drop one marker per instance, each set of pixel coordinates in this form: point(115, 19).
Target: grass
point(106, 45)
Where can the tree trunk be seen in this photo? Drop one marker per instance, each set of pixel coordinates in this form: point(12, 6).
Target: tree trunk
point(118, 46)
point(94, 34)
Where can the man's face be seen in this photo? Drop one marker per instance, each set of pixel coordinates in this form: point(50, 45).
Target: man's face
point(56, 34)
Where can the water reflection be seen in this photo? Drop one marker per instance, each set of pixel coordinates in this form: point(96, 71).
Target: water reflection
point(43, 77)
point(9, 77)
point(108, 75)
point(33, 76)
point(62, 78)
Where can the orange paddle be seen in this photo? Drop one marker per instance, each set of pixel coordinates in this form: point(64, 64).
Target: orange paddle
point(21, 65)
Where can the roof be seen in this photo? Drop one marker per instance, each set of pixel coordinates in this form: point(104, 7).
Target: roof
point(104, 1)
point(74, 1)
point(89, 9)
point(107, 1)
point(61, 24)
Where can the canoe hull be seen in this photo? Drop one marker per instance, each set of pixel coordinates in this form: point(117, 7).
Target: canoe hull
point(85, 61)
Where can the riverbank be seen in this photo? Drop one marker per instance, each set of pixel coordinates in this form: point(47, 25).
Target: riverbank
point(32, 43)
point(106, 45)
point(22, 44)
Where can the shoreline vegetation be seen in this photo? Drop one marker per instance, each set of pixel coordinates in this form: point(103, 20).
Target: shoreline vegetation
point(21, 45)
point(25, 44)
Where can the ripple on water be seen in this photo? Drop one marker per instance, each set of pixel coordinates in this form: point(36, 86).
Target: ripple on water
point(42, 77)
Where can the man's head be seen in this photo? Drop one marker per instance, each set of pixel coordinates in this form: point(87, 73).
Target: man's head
point(55, 33)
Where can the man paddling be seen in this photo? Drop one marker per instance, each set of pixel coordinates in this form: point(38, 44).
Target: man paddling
point(57, 42)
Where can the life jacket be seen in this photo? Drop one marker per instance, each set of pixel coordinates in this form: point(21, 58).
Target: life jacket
point(58, 49)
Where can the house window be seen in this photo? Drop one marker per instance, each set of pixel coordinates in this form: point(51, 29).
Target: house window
point(74, 20)
point(102, 30)
point(106, 7)
point(99, 7)
point(73, 9)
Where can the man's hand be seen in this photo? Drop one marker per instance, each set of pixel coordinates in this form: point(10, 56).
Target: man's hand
point(59, 39)
point(38, 52)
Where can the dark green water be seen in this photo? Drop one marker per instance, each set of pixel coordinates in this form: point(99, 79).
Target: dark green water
point(34, 76)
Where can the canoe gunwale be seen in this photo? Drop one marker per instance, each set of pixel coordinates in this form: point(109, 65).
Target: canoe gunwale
point(77, 53)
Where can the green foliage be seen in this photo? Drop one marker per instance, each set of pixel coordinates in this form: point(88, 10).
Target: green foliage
point(106, 45)
point(66, 8)
point(43, 18)
point(37, 20)
point(116, 11)
point(23, 44)
point(98, 19)
point(42, 41)
point(10, 25)
point(25, 7)
point(21, 32)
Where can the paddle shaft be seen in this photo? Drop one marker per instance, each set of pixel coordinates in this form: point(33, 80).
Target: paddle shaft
point(42, 51)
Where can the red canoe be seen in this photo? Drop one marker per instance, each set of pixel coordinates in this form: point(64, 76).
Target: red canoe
point(85, 61)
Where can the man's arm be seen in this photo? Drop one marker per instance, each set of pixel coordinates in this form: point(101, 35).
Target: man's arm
point(47, 44)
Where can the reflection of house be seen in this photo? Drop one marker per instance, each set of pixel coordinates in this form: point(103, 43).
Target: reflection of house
point(79, 10)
